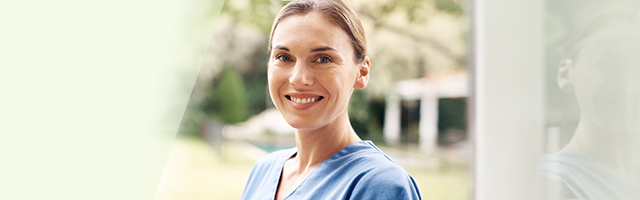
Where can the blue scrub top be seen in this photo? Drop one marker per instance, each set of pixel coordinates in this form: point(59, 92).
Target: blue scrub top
point(358, 171)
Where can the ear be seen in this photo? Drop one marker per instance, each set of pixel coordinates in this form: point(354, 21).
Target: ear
point(564, 76)
point(363, 74)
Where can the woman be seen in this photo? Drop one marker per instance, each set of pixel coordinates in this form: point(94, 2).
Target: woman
point(601, 69)
point(317, 57)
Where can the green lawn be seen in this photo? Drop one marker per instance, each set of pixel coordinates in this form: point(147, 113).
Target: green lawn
point(194, 171)
point(449, 184)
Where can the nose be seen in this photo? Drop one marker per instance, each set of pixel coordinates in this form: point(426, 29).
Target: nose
point(302, 75)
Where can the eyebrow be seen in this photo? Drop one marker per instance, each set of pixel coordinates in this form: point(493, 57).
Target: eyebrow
point(325, 48)
point(282, 48)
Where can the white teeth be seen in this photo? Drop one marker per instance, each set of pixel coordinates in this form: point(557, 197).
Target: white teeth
point(303, 101)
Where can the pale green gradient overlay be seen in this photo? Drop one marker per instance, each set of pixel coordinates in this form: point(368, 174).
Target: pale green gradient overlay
point(92, 93)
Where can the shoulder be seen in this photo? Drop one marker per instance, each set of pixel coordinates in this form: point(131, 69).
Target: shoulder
point(380, 177)
point(386, 182)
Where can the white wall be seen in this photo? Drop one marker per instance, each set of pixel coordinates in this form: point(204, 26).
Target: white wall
point(507, 109)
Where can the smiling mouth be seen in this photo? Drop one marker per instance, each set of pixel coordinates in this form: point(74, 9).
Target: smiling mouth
point(304, 100)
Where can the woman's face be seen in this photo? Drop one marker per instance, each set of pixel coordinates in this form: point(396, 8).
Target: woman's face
point(312, 71)
point(605, 78)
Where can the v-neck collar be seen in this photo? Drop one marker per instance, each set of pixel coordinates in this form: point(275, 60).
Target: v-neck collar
point(313, 172)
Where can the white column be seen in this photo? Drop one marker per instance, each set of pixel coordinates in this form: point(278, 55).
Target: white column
point(428, 128)
point(508, 97)
point(392, 119)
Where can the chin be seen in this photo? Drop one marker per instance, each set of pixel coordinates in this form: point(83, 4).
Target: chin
point(302, 123)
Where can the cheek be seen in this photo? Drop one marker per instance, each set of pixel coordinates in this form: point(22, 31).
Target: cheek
point(340, 83)
point(348, 79)
point(276, 77)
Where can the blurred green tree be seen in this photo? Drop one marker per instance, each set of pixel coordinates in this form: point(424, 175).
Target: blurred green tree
point(227, 102)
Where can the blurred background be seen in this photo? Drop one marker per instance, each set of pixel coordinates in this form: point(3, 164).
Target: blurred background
point(414, 107)
point(507, 100)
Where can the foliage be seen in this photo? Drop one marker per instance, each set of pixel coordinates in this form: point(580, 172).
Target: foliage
point(257, 13)
point(190, 123)
point(449, 6)
point(228, 100)
point(417, 10)
point(412, 9)
point(256, 88)
point(366, 115)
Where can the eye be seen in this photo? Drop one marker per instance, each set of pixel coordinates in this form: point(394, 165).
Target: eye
point(283, 58)
point(323, 59)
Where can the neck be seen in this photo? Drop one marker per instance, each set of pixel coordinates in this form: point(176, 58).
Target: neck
point(610, 146)
point(316, 145)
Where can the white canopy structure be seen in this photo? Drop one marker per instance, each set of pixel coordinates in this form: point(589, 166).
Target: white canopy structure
point(428, 91)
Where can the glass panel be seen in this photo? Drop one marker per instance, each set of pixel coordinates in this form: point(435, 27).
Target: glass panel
point(593, 100)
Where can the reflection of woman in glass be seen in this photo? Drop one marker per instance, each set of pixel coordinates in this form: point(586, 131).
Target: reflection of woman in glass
point(317, 58)
point(601, 69)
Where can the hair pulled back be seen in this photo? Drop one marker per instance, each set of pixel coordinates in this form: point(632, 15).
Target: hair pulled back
point(335, 11)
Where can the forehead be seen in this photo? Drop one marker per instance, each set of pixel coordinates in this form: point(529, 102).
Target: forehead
point(310, 31)
point(613, 41)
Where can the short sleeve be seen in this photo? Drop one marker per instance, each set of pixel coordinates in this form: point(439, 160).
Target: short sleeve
point(386, 183)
